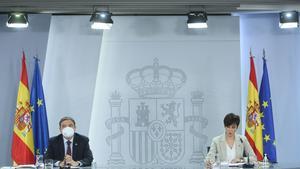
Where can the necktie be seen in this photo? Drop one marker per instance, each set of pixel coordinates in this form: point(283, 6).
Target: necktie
point(69, 148)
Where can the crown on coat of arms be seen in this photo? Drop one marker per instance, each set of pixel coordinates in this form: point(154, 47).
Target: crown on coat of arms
point(155, 81)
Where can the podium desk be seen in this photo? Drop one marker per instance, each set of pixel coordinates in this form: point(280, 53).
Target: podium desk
point(274, 166)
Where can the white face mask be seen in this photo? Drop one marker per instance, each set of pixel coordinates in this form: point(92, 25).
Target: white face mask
point(68, 132)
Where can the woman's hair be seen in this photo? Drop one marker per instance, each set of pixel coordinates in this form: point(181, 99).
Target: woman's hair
point(230, 119)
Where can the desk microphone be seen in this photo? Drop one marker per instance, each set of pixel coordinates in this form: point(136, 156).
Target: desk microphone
point(244, 152)
point(248, 164)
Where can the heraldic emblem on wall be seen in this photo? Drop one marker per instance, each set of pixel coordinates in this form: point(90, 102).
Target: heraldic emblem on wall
point(157, 119)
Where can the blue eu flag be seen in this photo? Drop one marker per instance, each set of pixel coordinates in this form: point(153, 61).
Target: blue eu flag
point(39, 115)
point(269, 143)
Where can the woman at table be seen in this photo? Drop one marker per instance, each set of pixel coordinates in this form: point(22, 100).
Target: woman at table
point(229, 147)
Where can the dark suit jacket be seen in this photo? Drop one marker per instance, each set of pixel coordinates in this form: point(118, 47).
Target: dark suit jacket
point(81, 149)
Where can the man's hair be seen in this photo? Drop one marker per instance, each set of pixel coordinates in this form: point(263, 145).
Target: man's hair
point(230, 119)
point(66, 118)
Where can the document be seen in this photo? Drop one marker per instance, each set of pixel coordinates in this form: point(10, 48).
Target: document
point(29, 166)
point(235, 164)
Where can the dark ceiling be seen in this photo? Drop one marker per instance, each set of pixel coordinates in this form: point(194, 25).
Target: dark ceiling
point(147, 7)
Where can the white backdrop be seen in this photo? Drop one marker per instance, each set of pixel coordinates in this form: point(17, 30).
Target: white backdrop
point(120, 132)
point(70, 70)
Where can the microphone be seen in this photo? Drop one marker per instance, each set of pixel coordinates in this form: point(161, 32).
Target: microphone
point(248, 159)
point(244, 152)
point(248, 164)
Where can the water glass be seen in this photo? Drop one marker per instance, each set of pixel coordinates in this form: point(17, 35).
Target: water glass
point(48, 164)
point(39, 161)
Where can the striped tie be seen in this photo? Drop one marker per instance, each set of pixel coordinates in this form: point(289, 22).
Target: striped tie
point(69, 148)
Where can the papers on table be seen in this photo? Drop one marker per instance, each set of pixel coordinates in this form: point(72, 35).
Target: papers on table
point(235, 164)
point(27, 166)
point(226, 164)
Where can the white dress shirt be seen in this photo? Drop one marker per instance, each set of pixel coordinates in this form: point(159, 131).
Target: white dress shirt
point(66, 145)
point(230, 152)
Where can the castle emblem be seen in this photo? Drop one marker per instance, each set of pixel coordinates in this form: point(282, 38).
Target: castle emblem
point(142, 113)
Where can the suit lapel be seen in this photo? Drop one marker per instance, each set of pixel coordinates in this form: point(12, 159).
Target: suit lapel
point(75, 147)
point(61, 147)
point(223, 148)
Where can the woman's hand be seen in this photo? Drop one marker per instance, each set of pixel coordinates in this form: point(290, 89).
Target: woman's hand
point(237, 160)
point(208, 164)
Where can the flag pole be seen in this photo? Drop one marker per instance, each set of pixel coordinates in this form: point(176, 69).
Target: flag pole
point(36, 57)
point(251, 53)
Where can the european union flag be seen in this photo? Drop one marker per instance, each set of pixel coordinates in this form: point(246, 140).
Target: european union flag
point(39, 115)
point(267, 116)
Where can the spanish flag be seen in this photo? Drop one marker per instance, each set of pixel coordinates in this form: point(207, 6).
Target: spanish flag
point(253, 118)
point(22, 143)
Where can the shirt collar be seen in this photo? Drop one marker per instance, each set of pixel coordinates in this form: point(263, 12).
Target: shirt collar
point(223, 137)
point(65, 140)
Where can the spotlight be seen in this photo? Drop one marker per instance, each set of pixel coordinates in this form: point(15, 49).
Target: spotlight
point(17, 20)
point(197, 20)
point(289, 19)
point(101, 20)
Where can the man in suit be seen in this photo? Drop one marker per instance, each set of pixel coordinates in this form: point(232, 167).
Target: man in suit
point(69, 148)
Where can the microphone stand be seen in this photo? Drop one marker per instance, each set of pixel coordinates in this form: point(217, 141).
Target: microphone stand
point(248, 164)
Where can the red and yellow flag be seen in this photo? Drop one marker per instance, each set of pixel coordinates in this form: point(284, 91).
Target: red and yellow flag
point(22, 143)
point(253, 122)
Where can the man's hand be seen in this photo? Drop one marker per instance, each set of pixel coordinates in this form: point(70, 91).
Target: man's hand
point(70, 161)
point(62, 163)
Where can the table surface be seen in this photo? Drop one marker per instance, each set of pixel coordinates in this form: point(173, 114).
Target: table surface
point(274, 166)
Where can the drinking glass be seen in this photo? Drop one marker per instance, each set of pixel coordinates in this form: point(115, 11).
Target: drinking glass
point(48, 164)
point(39, 161)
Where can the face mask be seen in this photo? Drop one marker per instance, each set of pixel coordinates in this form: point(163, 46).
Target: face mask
point(68, 132)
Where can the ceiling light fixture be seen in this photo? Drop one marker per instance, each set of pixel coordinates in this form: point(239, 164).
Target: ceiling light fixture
point(197, 20)
point(289, 19)
point(17, 20)
point(101, 20)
